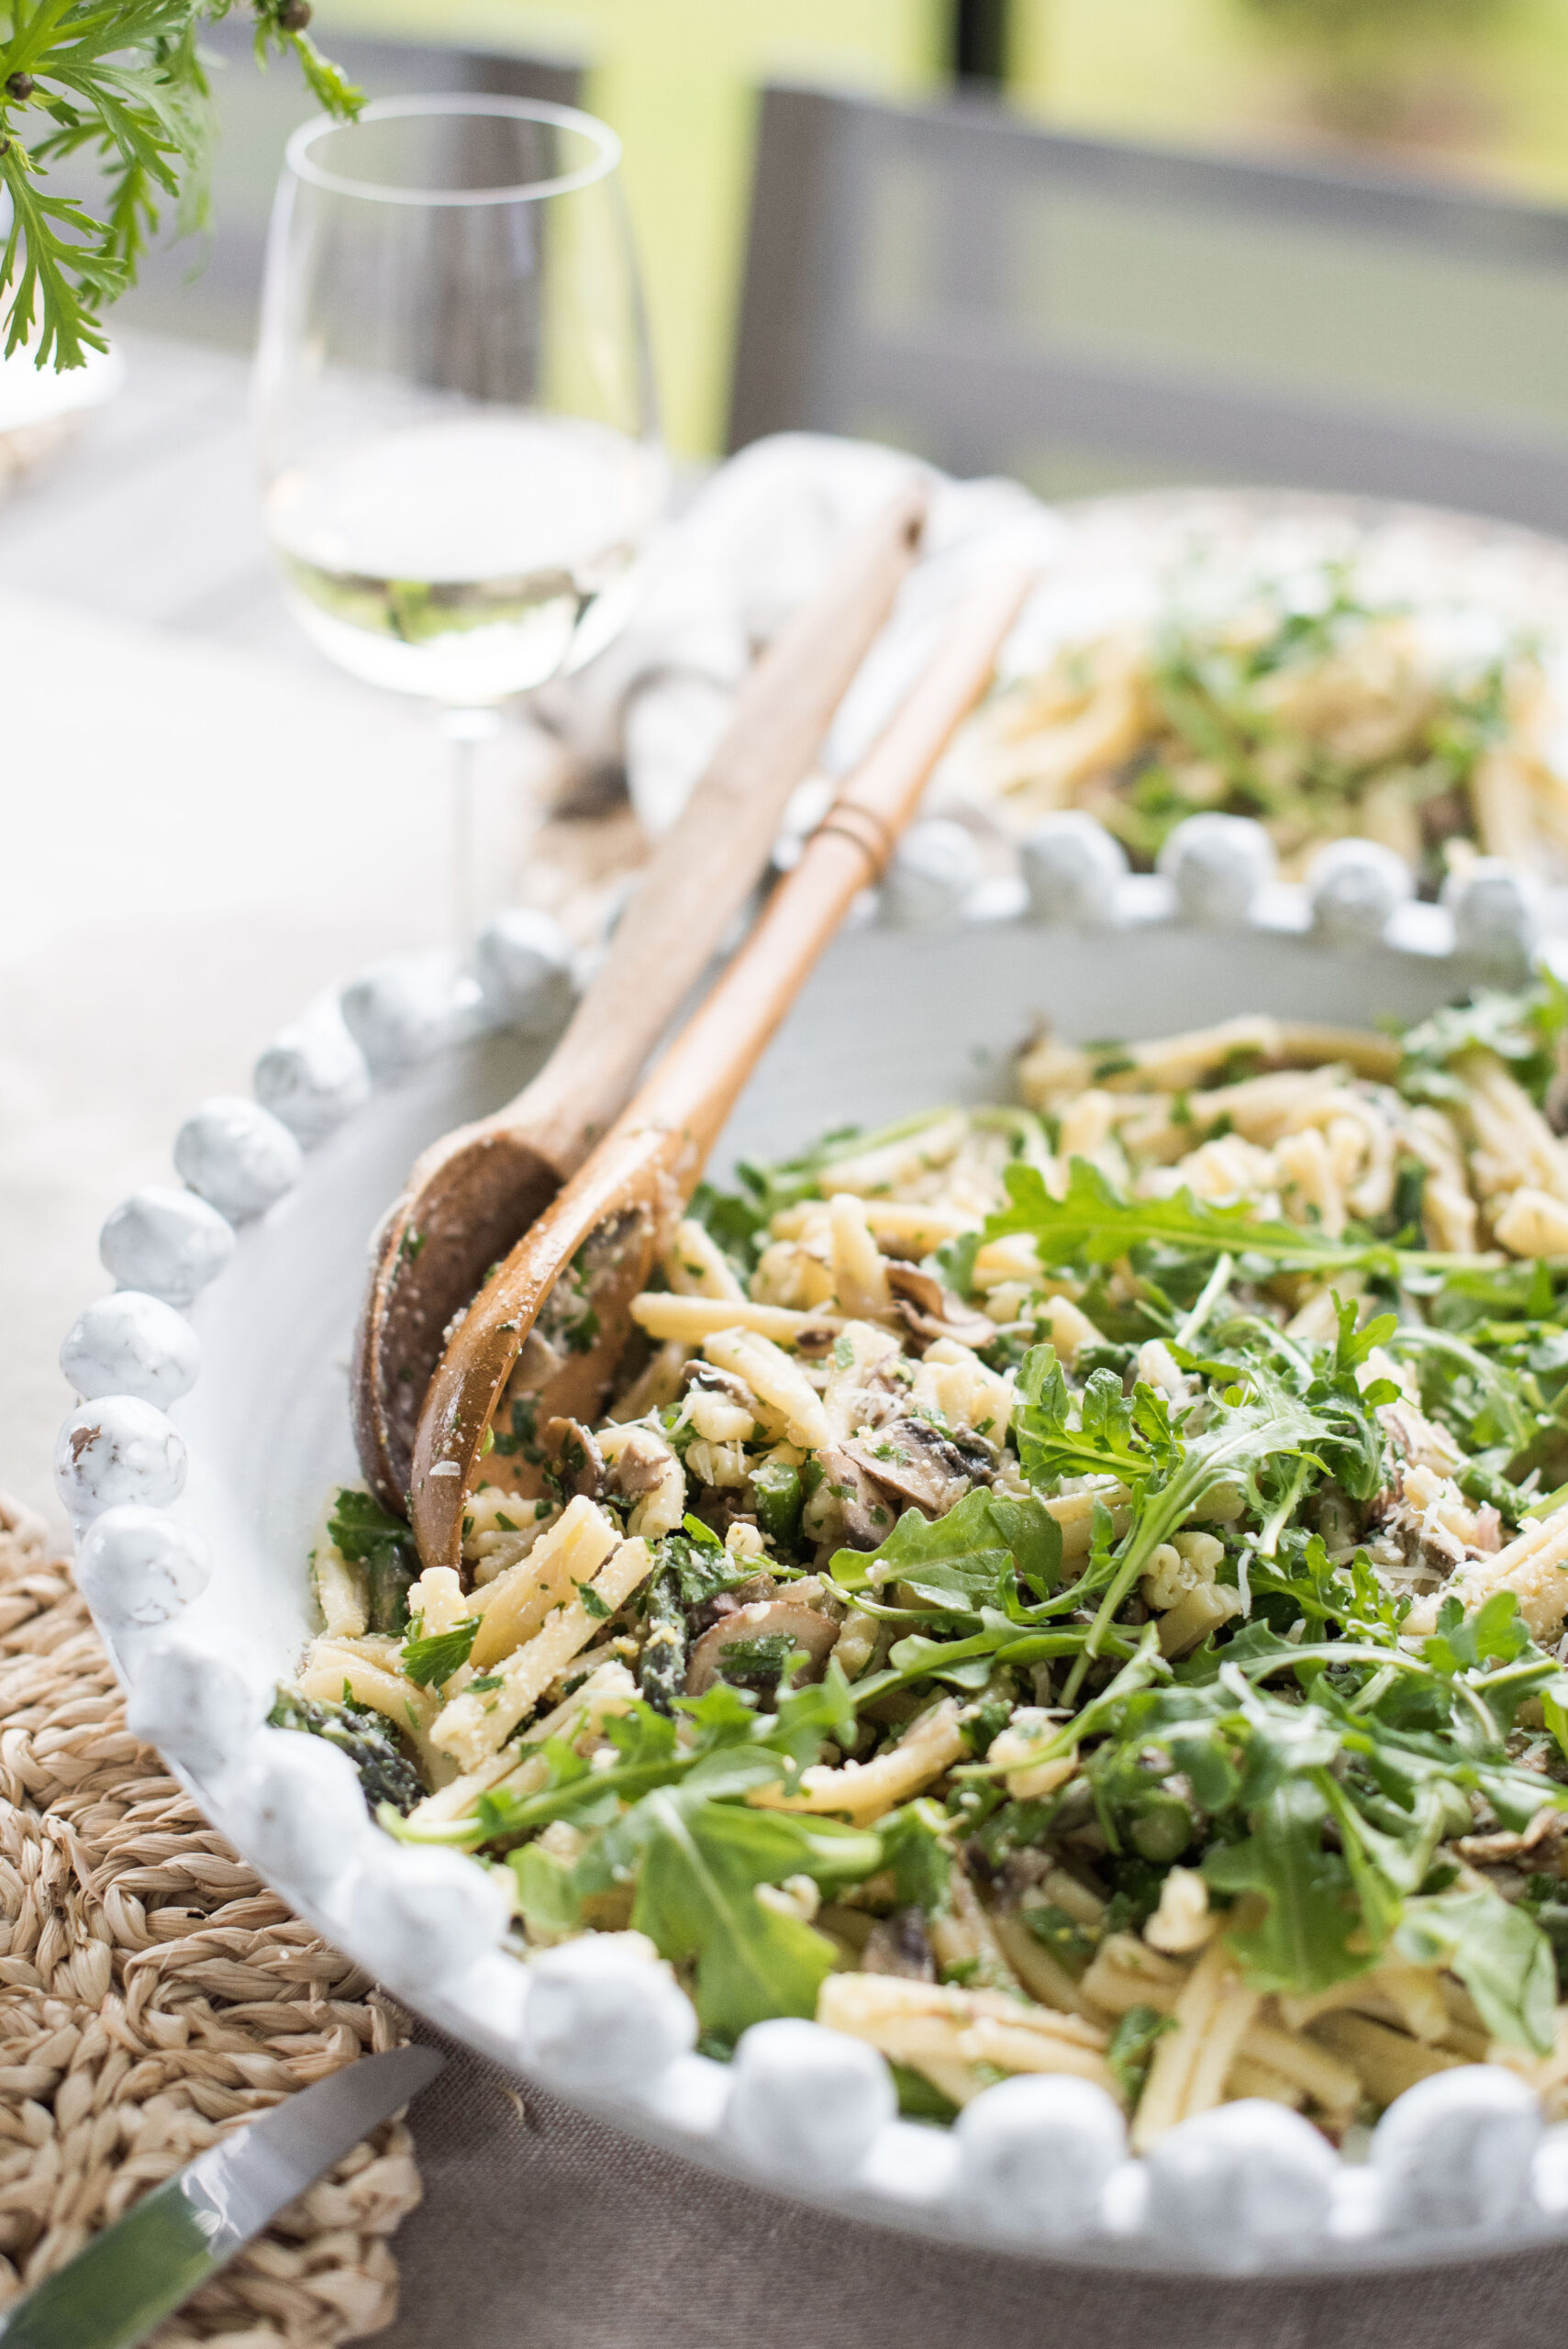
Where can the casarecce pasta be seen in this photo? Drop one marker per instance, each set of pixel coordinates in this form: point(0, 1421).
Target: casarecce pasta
point(1069, 1586)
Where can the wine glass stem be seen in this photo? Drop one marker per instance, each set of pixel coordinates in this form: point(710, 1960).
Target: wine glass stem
point(465, 730)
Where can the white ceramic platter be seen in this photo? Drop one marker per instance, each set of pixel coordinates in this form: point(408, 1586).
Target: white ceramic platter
point(195, 1496)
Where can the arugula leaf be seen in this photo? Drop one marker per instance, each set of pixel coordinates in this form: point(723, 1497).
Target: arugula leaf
point(1353, 1345)
point(1556, 1712)
point(547, 1898)
point(801, 1719)
point(1114, 1435)
point(1319, 1591)
point(1491, 1664)
point(1311, 1933)
point(1350, 1446)
point(700, 1564)
point(1093, 1224)
point(916, 1844)
point(1250, 1431)
point(367, 1535)
point(1523, 1029)
point(965, 1559)
point(1500, 1954)
point(697, 1898)
point(1131, 2049)
point(1497, 1632)
point(1462, 1387)
point(960, 1663)
point(697, 1862)
point(431, 1661)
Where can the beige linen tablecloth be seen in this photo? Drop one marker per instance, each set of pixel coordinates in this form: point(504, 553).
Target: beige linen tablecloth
point(541, 2229)
point(194, 840)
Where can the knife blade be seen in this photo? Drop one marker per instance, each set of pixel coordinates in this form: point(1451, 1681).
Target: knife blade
point(134, 2273)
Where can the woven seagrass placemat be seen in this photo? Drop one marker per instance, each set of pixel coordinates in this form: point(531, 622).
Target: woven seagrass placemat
point(153, 1993)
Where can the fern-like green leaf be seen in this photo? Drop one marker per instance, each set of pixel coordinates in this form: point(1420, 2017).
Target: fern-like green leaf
point(124, 81)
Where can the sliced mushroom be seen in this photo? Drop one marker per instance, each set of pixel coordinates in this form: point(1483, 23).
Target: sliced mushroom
point(718, 1609)
point(919, 1464)
point(868, 1513)
point(815, 1339)
point(769, 1619)
point(576, 1457)
point(642, 1468)
point(1403, 1536)
point(711, 1380)
point(890, 1383)
point(898, 1944)
point(1416, 1438)
point(639, 1463)
point(932, 1311)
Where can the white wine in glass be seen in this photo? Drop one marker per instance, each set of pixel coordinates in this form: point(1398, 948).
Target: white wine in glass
point(460, 449)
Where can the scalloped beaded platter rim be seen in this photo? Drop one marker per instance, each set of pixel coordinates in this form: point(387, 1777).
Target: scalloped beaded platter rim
point(419, 1916)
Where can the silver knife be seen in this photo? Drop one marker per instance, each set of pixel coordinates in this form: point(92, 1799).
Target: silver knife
point(137, 2272)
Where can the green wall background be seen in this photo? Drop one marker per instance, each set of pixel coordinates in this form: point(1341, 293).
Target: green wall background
point(1494, 107)
point(677, 79)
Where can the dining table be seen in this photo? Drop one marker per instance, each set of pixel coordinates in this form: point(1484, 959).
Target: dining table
point(205, 828)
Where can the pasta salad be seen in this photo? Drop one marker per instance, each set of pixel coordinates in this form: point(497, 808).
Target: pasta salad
point(1073, 1586)
point(1307, 703)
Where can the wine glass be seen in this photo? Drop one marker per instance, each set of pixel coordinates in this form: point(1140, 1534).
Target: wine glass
point(459, 443)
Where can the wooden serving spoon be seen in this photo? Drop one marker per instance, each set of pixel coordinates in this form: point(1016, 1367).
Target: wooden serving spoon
point(611, 1217)
point(472, 1195)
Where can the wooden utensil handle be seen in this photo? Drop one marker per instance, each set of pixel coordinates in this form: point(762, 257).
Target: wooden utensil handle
point(700, 874)
point(694, 1086)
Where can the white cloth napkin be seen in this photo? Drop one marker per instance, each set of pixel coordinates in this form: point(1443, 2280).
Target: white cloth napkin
point(756, 541)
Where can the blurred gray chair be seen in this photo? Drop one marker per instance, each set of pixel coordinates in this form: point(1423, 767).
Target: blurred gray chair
point(1089, 316)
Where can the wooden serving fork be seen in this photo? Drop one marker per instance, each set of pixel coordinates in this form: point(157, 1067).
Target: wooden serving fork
point(472, 1195)
point(630, 1191)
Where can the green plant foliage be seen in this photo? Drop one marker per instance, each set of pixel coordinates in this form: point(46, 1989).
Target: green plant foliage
point(123, 81)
